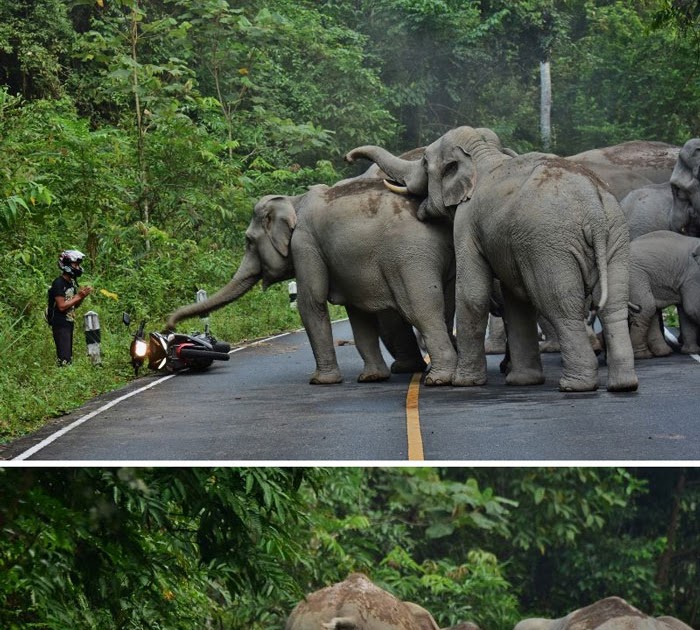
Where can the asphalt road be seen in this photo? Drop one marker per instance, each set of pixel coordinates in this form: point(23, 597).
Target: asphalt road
point(259, 407)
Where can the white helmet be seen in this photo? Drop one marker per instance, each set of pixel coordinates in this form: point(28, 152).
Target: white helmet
point(71, 256)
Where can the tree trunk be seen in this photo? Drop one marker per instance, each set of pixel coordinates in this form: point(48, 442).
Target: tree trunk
point(546, 104)
point(664, 567)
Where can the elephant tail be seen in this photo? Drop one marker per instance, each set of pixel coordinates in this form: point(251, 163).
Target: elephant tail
point(598, 237)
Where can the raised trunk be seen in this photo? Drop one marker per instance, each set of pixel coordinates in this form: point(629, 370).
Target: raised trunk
point(408, 172)
point(245, 279)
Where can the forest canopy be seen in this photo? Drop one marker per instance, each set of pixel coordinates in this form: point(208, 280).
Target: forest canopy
point(237, 548)
point(142, 132)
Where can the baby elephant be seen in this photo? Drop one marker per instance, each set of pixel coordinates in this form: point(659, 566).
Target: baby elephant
point(664, 271)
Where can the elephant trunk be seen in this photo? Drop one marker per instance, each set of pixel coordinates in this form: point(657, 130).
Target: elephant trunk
point(408, 172)
point(244, 279)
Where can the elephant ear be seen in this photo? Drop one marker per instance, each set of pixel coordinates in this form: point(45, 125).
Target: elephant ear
point(279, 222)
point(695, 253)
point(458, 178)
point(685, 174)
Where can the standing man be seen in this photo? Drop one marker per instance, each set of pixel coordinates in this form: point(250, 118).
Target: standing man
point(64, 296)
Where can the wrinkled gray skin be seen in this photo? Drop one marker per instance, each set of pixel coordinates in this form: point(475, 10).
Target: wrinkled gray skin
point(357, 604)
point(358, 245)
point(686, 172)
point(659, 207)
point(611, 613)
point(630, 165)
point(549, 231)
point(664, 271)
point(672, 205)
point(622, 168)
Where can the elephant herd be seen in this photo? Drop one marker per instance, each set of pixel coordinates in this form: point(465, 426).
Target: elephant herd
point(458, 227)
point(357, 603)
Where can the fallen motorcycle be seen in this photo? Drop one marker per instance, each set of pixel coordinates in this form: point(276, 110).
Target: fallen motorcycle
point(172, 352)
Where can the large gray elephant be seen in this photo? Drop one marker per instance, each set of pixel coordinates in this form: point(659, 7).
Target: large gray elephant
point(686, 172)
point(623, 168)
point(358, 245)
point(611, 613)
point(548, 230)
point(357, 604)
point(659, 207)
point(630, 165)
point(664, 271)
point(671, 205)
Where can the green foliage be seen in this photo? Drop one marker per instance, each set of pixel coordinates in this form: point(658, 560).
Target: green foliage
point(238, 547)
point(143, 132)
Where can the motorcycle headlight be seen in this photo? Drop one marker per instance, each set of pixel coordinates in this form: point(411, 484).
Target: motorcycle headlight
point(140, 349)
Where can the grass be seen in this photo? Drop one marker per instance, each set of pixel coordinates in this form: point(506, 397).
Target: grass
point(34, 390)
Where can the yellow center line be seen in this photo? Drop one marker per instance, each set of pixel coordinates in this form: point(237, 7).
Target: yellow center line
point(415, 441)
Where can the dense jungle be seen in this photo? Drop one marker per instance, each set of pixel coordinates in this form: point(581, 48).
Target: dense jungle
point(141, 132)
point(234, 548)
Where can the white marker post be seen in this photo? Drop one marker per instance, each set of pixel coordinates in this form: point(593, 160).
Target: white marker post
point(93, 337)
point(292, 286)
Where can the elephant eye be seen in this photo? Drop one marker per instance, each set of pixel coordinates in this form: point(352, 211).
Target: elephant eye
point(450, 169)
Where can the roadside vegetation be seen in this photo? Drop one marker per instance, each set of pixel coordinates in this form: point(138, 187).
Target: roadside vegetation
point(184, 548)
point(141, 132)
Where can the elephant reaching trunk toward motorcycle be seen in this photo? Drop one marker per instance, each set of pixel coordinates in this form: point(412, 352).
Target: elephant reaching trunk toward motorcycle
point(358, 245)
point(551, 233)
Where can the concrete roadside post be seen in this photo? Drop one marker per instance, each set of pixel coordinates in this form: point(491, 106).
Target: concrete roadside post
point(93, 337)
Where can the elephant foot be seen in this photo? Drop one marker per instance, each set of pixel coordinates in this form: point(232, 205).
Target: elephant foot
point(661, 351)
point(550, 346)
point(407, 366)
point(623, 382)
point(643, 354)
point(331, 377)
point(525, 377)
point(467, 379)
point(569, 384)
point(437, 378)
point(374, 376)
point(690, 349)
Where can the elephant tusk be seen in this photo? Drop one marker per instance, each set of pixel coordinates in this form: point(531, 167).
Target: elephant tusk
point(396, 188)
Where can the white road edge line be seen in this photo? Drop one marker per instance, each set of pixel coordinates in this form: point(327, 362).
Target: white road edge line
point(672, 338)
point(54, 436)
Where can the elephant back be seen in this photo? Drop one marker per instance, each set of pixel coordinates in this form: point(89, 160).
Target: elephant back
point(353, 604)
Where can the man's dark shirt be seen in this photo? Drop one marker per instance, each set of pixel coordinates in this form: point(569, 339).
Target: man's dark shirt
point(68, 289)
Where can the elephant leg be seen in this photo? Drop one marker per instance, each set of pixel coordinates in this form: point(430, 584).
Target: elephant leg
point(655, 339)
point(366, 333)
point(400, 340)
point(551, 341)
point(443, 356)
point(525, 367)
point(690, 331)
point(473, 291)
point(644, 317)
point(620, 355)
point(496, 336)
point(425, 307)
point(312, 287)
point(641, 326)
point(579, 362)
